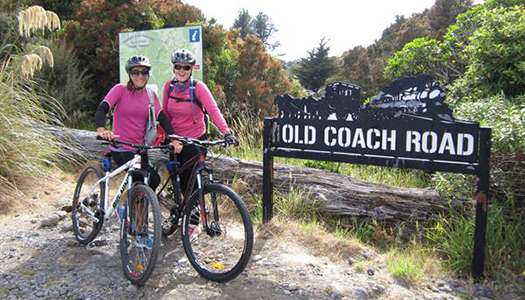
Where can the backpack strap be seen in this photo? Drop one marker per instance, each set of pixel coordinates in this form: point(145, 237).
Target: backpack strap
point(193, 94)
point(151, 130)
point(152, 115)
point(193, 98)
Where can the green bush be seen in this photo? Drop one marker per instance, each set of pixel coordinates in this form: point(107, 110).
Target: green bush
point(452, 236)
point(422, 55)
point(69, 84)
point(507, 120)
point(497, 52)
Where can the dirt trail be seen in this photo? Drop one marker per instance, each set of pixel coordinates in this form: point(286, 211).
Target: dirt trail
point(41, 260)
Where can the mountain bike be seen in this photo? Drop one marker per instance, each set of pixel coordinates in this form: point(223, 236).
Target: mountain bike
point(140, 220)
point(216, 230)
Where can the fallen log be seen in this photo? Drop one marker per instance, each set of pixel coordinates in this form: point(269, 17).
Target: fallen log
point(339, 195)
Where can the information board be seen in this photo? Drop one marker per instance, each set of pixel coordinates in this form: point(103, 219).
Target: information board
point(157, 46)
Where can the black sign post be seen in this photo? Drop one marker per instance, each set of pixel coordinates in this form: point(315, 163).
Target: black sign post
point(407, 125)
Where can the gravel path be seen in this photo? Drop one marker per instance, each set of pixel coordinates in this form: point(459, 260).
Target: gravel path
point(41, 260)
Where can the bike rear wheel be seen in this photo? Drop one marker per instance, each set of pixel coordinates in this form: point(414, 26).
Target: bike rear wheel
point(87, 201)
point(217, 233)
point(140, 234)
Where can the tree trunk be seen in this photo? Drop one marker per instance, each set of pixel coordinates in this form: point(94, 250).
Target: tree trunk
point(339, 195)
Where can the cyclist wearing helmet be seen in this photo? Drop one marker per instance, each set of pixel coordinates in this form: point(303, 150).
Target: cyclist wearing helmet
point(130, 105)
point(186, 103)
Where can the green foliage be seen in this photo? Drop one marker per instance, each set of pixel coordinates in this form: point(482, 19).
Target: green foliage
point(444, 12)
point(243, 23)
point(264, 29)
point(323, 165)
point(452, 235)
point(65, 9)
point(94, 31)
point(260, 26)
point(454, 186)
point(366, 66)
point(249, 135)
point(502, 3)
point(497, 52)
point(260, 78)
point(296, 204)
point(26, 147)
point(422, 55)
point(507, 121)
point(405, 266)
point(69, 84)
point(240, 73)
point(313, 70)
point(389, 176)
point(506, 117)
point(357, 229)
point(25, 144)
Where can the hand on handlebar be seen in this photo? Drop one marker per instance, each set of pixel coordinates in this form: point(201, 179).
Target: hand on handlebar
point(104, 133)
point(230, 139)
point(177, 146)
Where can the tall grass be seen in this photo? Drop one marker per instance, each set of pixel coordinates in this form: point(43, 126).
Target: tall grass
point(26, 147)
point(412, 264)
point(452, 237)
point(248, 131)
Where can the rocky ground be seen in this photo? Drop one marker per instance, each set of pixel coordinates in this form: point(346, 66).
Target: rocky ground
point(41, 260)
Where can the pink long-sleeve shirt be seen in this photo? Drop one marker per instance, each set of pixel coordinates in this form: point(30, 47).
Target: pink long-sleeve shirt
point(186, 120)
point(130, 115)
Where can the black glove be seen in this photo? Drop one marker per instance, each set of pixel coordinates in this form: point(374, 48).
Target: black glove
point(230, 139)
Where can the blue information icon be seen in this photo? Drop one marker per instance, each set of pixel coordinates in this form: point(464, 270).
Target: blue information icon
point(195, 35)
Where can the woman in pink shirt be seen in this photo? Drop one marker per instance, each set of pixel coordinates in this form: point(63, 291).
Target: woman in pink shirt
point(185, 102)
point(130, 105)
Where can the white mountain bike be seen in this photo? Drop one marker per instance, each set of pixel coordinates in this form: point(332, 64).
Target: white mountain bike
point(140, 230)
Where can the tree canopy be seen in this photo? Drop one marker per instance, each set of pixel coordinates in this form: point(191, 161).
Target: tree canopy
point(313, 70)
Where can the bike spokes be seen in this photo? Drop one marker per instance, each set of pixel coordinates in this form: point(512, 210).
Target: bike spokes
point(140, 234)
point(86, 214)
point(218, 236)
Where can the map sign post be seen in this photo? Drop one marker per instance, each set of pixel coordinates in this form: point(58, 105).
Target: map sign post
point(157, 45)
point(407, 125)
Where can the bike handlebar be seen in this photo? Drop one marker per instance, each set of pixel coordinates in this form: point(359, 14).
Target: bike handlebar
point(184, 140)
point(204, 144)
point(115, 141)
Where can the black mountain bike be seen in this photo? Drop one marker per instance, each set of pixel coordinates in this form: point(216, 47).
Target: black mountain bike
point(217, 233)
point(140, 231)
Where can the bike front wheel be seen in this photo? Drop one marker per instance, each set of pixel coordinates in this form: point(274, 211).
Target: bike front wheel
point(217, 233)
point(87, 200)
point(140, 234)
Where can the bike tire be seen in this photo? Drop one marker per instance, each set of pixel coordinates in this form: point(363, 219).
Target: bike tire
point(140, 244)
point(202, 249)
point(79, 218)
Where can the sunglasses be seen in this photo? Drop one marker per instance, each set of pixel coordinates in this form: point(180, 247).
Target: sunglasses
point(137, 73)
point(184, 67)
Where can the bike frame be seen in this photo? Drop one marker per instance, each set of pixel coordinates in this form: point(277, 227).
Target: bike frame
point(110, 206)
point(199, 167)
